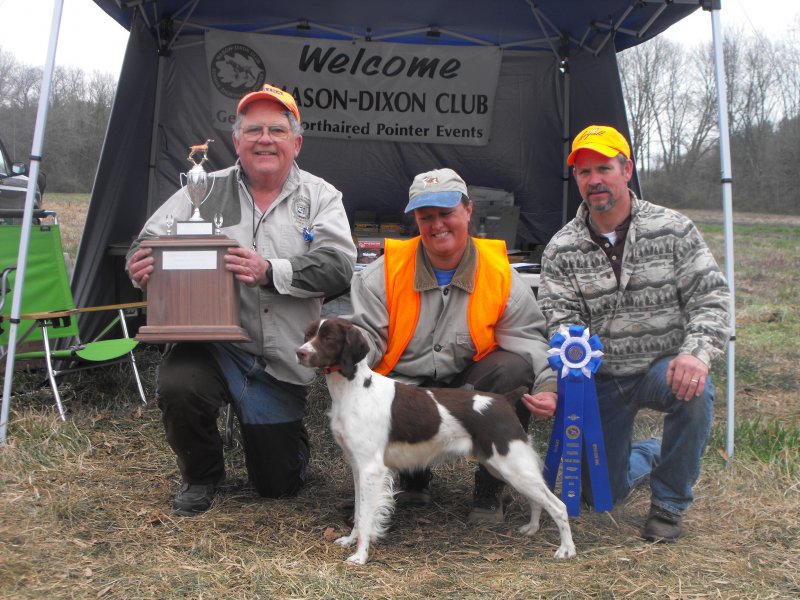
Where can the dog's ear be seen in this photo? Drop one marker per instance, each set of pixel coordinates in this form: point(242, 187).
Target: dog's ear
point(311, 330)
point(354, 351)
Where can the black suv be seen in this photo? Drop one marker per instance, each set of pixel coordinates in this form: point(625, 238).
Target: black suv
point(14, 183)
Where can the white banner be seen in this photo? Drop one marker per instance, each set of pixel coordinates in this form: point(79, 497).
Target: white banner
point(361, 90)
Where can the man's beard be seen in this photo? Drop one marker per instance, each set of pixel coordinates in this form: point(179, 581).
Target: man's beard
point(603, 207)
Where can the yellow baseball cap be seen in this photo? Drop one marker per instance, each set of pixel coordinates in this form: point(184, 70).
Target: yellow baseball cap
point(270, 92)
point(600, 138)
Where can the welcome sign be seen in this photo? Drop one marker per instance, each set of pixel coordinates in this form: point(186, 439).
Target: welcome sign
point(361, 90)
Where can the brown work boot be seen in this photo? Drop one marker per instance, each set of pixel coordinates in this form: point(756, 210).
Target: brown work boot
point(662, 526)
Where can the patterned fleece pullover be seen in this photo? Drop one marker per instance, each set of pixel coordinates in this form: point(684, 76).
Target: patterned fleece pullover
point(671, 298)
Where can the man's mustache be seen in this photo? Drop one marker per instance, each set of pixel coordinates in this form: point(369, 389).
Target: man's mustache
point(598, 188)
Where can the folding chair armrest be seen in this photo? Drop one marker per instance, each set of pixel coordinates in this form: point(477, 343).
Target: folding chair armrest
point(18, 213)
point(87, 309)
point(53, 314)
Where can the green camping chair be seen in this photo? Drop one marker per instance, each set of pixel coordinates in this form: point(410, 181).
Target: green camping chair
point(48, 310)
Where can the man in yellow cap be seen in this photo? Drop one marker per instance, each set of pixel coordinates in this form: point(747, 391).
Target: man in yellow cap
point(294, 248)
point(642, 279)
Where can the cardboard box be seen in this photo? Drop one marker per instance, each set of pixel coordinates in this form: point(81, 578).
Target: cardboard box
point(368, 250)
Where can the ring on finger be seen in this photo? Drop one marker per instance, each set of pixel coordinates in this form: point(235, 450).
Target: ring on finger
point(695, 380)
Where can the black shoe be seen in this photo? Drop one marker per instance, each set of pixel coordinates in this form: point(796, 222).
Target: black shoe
point(487, 500)
point(417, 498)
point(662, 526)
point(414, 489)
point(193, 499)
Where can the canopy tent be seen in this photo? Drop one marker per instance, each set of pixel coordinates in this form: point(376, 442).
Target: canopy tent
point(558, 73)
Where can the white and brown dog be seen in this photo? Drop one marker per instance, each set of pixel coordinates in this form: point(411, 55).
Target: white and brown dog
point(382, 424)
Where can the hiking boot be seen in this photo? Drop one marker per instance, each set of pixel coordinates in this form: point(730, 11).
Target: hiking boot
point(662, 525)
point(414, 489)
point(193, 499)
point(487, 500)
point(417, 498)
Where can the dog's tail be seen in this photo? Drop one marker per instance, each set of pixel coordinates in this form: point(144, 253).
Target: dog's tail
point(386, 504)
point(514, 395)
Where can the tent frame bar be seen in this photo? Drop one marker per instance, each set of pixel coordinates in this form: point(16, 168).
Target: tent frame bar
point(27, 218)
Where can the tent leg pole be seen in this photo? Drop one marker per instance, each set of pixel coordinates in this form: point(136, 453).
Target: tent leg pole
point(727, 212)
point(27, 218)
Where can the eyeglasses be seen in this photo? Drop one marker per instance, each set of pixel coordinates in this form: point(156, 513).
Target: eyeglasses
point(253, 133)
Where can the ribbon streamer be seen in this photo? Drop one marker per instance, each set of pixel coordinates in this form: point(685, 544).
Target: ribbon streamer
point(577, 432)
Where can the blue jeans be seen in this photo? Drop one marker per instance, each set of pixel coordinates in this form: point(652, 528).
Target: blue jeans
point(258, 397)
point(674, 463)
point(197, 379)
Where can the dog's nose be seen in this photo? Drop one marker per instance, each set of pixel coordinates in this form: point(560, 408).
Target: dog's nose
point(301, 353)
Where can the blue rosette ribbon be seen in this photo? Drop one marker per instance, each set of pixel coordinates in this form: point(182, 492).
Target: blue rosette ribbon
point(577, 432)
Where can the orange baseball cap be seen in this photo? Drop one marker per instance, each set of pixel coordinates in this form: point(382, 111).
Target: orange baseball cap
point(600, 138)
point(270, 92)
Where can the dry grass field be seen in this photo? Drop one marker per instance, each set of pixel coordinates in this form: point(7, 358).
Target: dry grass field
point(84, 505)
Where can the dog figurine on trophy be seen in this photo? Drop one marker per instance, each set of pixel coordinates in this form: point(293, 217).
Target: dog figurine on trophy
point(196, 184)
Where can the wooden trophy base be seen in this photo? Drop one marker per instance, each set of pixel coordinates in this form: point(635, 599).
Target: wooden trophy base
point(190, 295)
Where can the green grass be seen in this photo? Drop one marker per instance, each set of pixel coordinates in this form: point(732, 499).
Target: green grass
point(769, 442)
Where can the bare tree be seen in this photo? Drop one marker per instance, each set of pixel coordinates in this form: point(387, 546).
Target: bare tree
point(638, 70)
point(80, 107)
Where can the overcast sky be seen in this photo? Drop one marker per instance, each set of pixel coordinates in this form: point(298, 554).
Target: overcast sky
point(92, 40)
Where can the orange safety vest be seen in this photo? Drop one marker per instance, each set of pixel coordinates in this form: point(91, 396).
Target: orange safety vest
point(486, 303)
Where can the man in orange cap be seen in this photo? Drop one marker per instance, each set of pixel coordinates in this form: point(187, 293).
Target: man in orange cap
point(294, 248)
point(642, 279)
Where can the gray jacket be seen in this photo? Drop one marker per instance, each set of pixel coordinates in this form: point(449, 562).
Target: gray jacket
point(671, 298)
point(442, 346)
point(303, 272)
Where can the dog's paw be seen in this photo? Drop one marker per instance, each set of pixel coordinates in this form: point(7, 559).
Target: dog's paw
point(529, 529)
point(346, 540)
point(359, 558)
point(566, 551)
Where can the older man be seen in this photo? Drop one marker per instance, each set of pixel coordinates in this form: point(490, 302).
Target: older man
point(445, 309)
point(294, 249)
point(641, 277)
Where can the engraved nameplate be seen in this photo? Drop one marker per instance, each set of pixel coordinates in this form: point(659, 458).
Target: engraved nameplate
point(194, 228)
point(189, 260)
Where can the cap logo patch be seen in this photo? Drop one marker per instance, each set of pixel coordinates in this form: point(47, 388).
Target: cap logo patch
point(595, 131)
point(430, 180)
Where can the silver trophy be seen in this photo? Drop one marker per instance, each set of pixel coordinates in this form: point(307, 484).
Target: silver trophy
point(196, 184)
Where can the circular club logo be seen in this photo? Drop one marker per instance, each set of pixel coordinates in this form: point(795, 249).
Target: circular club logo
point(575, 353)
point(237, 70)
point(573, 432)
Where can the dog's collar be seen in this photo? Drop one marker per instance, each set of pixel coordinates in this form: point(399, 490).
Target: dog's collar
point(333, 369)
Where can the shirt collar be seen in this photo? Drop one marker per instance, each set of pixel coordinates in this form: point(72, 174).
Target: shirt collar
point(464, 277)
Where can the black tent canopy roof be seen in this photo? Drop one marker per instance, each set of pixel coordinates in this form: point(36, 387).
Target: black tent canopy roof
point(560, 25)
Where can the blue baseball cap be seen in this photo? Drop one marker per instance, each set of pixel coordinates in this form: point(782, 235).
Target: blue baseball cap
point(442, 188)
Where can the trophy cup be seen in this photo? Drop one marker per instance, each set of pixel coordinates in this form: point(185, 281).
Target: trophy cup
point(195, 186)
point(186, 267)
